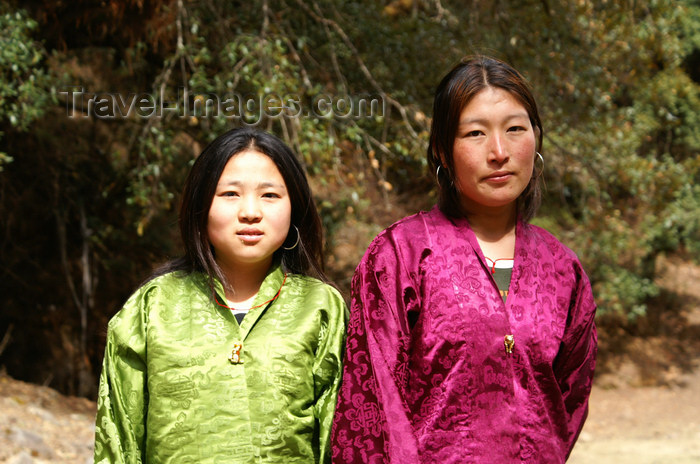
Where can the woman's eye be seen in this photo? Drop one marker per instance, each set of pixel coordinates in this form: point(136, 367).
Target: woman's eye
point(270, 195)
point(516, 129)
point(474, 133)
point(229, 194)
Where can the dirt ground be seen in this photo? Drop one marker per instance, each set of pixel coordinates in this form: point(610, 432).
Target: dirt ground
point(646, 410)
point(643, 410)
point(642, 425)
point(40, 426)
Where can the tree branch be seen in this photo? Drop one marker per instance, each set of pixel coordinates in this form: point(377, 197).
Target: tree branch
point(363, 67)
point(6, 338)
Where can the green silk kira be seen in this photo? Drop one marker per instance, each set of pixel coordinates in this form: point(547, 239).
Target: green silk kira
point(183, 382)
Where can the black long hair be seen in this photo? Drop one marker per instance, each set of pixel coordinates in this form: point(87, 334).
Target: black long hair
point(306, 258)
point(453, 94)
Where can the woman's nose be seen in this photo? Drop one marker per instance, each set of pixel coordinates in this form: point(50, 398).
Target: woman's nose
point(497, 150)
point(250, 210)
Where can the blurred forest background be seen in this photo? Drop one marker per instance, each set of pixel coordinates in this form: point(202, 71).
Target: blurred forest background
point(88, 203)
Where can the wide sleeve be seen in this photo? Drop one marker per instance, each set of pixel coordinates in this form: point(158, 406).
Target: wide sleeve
point(372, 422)
point(575, 362)
point(122, 397)
point(327, 369)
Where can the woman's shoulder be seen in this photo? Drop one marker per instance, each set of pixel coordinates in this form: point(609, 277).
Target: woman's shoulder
point(419, 219)
point(411, 229)
point(308, 284)
point(540, 237)
point(162, 291)
point(316, 294)
point(410, 237)
point(171, 286)
point(172, 280)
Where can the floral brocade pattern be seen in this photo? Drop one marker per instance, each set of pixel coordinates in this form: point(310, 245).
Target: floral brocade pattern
point(427, 378)
point(169, 394)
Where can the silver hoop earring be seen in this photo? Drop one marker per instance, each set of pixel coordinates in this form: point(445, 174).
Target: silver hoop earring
point(295, 243)
point(541, 159)
point(437, 175)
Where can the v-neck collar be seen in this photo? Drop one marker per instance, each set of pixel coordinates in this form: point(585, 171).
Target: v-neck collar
point(271, 285)
point(463, 223)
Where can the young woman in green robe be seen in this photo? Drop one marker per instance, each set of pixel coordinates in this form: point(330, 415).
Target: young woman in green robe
point(232, 353)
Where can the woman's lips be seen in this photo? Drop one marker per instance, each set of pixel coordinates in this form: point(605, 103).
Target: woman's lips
point(250, 235)
point(500, 176)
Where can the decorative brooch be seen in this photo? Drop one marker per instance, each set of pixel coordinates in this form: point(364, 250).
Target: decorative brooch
point(509, 342)
point(235, 356)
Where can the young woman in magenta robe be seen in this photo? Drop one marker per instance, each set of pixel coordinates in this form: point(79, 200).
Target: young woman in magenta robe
point(471, 336)
point(231, 354)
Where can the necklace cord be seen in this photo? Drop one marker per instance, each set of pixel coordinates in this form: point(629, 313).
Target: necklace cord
point(256, 306)
point(493, 266)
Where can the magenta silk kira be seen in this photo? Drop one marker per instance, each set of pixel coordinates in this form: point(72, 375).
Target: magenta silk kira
point(428, 377)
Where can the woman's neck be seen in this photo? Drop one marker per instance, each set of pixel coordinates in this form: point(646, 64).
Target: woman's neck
point(495, 234)
point(244, 283)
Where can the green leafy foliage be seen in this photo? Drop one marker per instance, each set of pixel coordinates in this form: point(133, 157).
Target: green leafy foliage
point(23, 82)
point(617, 84)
